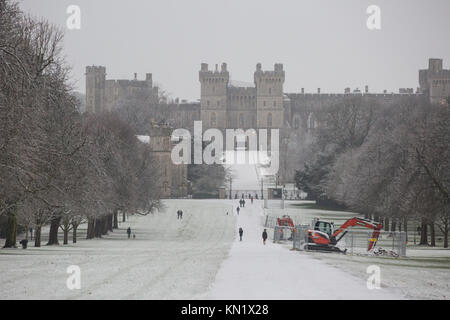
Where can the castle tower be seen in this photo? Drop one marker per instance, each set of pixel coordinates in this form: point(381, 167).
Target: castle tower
point(435, 81)
point(95, 88)
point(213, 96)
point(269, 97)
point(172, 178)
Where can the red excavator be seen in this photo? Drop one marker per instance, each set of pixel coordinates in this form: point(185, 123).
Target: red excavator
point(324, 238)
point(285, 221)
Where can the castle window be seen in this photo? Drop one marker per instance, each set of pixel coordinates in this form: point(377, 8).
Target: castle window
point(207, 103)
point(270, 90)
point(311, 122)
point(274, 103)
point(213, 120)
point(264, 103)
point(269, 120)
point(297, 123)
point(241, 120)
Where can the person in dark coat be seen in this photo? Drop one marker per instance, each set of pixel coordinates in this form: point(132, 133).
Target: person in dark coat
point(243, 203)
point(237, 209)
point(264, 236)
point(129, 232)
point(241, 232)
point(24, 243)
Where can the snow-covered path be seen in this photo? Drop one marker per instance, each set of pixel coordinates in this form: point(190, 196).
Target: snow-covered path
point(257, 271)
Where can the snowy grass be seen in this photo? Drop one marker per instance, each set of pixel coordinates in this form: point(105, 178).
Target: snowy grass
point(423, 274)
point(169, 259)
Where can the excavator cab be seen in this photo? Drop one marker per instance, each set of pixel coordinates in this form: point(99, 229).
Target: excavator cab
point(324, 226)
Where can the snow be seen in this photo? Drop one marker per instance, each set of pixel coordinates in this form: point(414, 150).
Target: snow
point(257, 271)
point(169, 259)
point(201, 257)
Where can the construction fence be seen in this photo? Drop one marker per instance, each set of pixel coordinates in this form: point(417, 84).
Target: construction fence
point(355, 241)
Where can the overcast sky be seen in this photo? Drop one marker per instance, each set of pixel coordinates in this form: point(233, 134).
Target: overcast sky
point(322, 43)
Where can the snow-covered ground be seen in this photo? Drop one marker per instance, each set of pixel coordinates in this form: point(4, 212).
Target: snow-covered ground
point(257, 271)
point(169, 259)
point(423, 274)
point(201, 257)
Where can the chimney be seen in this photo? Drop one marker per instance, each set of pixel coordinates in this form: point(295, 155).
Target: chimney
point(303, 90)
point(135, 76)
point(366, 90)
point(318, 90)
point(224, 67)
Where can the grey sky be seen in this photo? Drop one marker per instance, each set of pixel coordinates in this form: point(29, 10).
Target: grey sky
point(322, 43)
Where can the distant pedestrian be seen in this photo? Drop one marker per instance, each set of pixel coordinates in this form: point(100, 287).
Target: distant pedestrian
point(241, 232)
point(251, 199)
point(129, 232)
point(243, 203)
point(181, 214)
point(264, 236)
point(134, 236)
point(237, 209)
point(24, 243)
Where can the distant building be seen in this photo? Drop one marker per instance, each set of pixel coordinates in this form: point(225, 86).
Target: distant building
point(104, 95)
point(231, 104)
point(173, 181)
point(435, 81)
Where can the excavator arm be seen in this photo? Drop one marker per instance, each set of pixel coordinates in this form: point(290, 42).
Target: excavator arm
point(376, 227)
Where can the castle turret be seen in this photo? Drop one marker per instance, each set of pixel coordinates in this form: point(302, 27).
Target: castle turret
point(95, 88)
point(213, 96)
point(435, 81)
point(269, 96)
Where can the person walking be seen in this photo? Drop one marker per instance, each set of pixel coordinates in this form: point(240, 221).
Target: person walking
point(129, 232)
point(264, 236)
point(237, 209)
point(181, 214)
point(243, 203)
point(241, 232)
point(251, 199)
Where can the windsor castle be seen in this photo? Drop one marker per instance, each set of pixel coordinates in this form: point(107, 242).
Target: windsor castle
point(224, 104)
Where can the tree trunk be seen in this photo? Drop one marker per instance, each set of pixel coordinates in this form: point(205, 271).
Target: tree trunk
point(53, 234)
point(91, 229)
point(98, 227)
point(11, 229)
point(74, 233)
point(393, 225)
point(105, 225)
point(110, 222)
point(432, 235)
point(446, 238)
point(386, 224)
point(123, 216)
point(37, 236)
point(405, 226)
point(116, 220)
point(424, 233)
point(66, 236)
